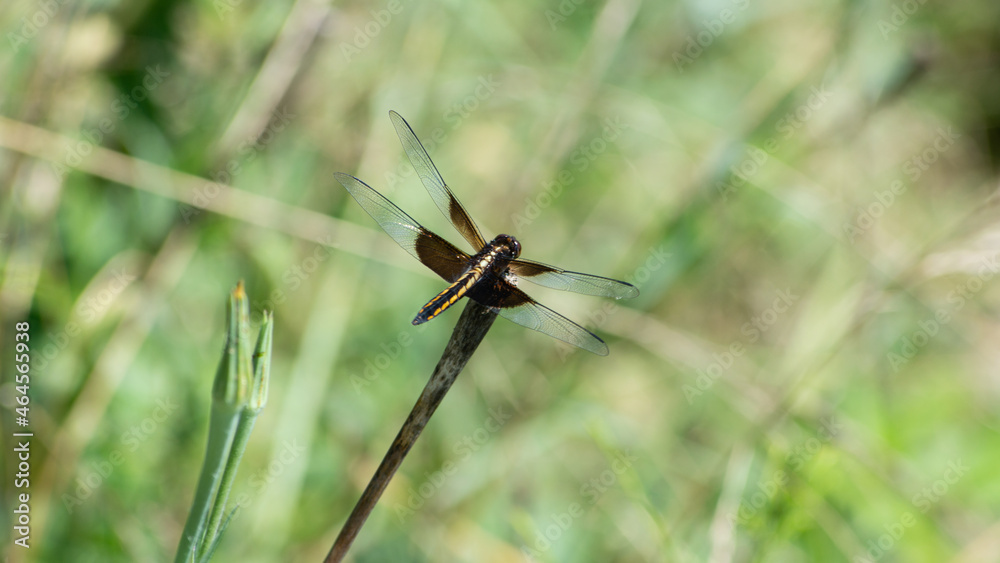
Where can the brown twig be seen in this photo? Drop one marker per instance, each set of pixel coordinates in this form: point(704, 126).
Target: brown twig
point(472, 326)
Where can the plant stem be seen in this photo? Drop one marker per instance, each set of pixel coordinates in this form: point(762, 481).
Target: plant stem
point(472, 326)
point(229, 395)
point(241, 435)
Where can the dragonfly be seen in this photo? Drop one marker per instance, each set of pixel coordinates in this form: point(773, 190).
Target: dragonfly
point(491, 274)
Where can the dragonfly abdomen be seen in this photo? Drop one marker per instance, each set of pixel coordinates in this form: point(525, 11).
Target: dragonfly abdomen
point(487, 259)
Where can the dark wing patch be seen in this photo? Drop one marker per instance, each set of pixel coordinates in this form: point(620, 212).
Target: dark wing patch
point(436, 253)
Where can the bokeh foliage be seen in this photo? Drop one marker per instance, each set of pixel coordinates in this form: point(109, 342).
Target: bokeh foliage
point(803, 192)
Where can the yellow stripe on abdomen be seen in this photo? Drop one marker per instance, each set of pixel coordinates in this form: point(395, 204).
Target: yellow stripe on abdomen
point(452, 293)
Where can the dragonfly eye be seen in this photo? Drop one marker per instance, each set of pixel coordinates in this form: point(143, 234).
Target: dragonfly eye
point(513, 246)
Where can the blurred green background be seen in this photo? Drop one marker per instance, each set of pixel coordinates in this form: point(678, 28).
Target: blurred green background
point(803, 192)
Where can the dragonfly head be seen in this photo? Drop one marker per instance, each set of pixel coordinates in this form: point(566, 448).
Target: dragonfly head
point(511, 249)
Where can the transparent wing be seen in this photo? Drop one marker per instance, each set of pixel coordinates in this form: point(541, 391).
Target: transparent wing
point(515, 305)
point(538, 317)
point(557, 278)
point(436, 253)
point(432, 180)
